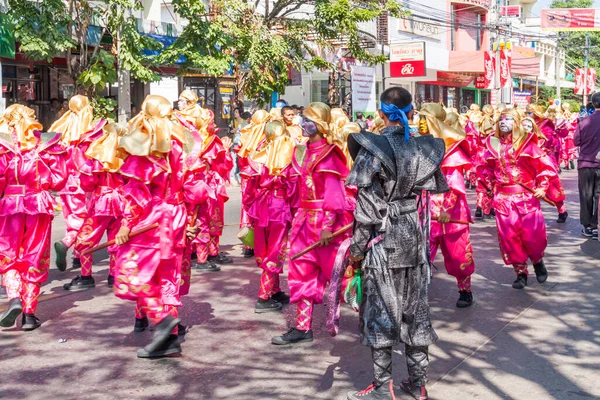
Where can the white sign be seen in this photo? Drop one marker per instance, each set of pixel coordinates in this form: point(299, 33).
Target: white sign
point(419, 27)
point(364, 97)
point(414, 51)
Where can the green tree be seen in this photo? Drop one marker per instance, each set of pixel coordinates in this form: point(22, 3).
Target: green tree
point(74, 28)
point(263, 40)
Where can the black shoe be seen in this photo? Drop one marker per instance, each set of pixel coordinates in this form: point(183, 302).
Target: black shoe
point(140, 324)
point(281, 297)
point(30, 322)
point(110, 281)
point(492, 213)
point(572, 164)
point(594, 233)
point(465, 299)
point(264, 306)
point(194, 256)
point(248, 253)
point(80, 283)
point(221, 258)
point(293, 336)
point(372, 392)
point(161, 334)
point(9, 316)
point(587, 232)
point(181, 330)
point(541, 273)
point(417, 392)
point(169, 347)
point(76, 263)
point(207, 267)
point(521, 282)
point(478, 213)
point(61, 255)
point(562, 217)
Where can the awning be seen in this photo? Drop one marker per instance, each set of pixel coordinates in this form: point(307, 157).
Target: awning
point(166, 41)
point(451, 79)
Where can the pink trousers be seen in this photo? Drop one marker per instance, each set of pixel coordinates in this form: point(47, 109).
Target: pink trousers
point(270, 245)
point(74, 211)
point(90, 235)
point(458, 256)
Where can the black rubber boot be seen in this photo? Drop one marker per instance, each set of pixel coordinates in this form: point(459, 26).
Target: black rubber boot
point(373, 392)
point(169, 347)
point(30, 322)
point(478, 213)
point(293, 336)
point(10, 315)
point(61, 255)
point(76, 263)
point(181, 330)
point(465, 299)
point(281, 297)
point(221, 258)
point(265, 306)
point(521, 282)
point(562, 217)
point(110, 281)
point(80, 283)
point(140, 324)
point(162, 331)
point(248, 253)
point(541, 273)
point(207, 267)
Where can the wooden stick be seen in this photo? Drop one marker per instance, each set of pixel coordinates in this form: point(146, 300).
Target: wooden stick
point(452, 221)
point(317, 244)
point(111, 242)
point(547, 200)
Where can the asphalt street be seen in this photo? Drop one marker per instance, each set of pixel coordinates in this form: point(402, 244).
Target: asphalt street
point(539, 343)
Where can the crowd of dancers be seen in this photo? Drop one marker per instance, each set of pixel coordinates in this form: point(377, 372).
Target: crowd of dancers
point(318, 189)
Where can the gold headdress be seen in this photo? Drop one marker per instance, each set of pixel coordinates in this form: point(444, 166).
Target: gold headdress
point(320, 114)
point(350, 127)
point(275, 114)
point(518, 134)
point(106, 148)
point(150, 131)
point(252, 134)
point(278, 152)
point(378, 125)
point(338, 120)
point(22, 120)
point(434, 116)
point(75, 122)
point(193, 110)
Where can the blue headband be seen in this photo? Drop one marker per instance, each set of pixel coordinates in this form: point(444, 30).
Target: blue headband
point(398, 114)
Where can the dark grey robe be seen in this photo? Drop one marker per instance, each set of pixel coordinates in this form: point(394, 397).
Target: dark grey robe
point(390, 173)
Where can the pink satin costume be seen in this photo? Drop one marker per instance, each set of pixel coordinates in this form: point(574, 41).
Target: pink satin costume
point(268, 200)
point(551, 146)
point(321, 207)
point(26, 214)
point(454, 239)
point(519, 219)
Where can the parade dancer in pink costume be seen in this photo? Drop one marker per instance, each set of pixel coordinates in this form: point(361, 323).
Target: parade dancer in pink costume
point(99, 177)
point(485, 127)
point(30, 166)
point(268, 199)
point(454, 239)
point(322, 168)
point(514, 159)
point(74, 126)
point(148, 266)
point(556, 193)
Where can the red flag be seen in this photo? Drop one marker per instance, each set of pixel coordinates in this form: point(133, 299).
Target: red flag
point(578, 81)
point(489, 69)
point(591, 80)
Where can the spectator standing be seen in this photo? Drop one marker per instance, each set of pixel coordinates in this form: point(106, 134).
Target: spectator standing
point(360, 120)
point(587, 137)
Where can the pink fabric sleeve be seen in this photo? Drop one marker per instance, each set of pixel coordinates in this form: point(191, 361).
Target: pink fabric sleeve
point(87, 178)
point(333, 200)
point(57, 164)
point(195, 188)
point(4, 160)
point(136, 197)
point(545, 170)
point(456, 183)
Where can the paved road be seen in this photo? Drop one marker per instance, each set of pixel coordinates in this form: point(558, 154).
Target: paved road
point(540, 343)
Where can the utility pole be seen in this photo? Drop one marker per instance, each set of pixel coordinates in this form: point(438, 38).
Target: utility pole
point(585, 67)
point(557, 65)
point(123, 78)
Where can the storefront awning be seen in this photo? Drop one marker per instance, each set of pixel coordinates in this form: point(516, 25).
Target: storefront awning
point(451, 79)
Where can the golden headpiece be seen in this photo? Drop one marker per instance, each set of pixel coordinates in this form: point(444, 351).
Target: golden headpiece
point(320, 114)
point(277, 153)
point(21, 121)
point(275, 114)
point(347, 129)
point(536, 110)
point(338, 120)
point(75, 122)
point(378, 125)
point(518, 134)
point(151, 131)
point(434, 115)
point(193, 110)
point(106, 148)
point(252, 134)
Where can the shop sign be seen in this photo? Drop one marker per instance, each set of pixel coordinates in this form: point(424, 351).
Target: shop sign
point(419, 27)
point(511, 11)
point(364, 96)
point(480, 82)
point(489, 69)
point(570, 19)
point(521, 98)
point(581, 81)
point(505, 68)
point(407, 60)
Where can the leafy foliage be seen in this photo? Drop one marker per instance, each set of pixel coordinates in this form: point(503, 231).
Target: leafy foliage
point(104, 108)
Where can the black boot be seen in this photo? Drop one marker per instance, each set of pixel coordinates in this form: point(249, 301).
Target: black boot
point(181, 330)
point(478, 213)
point(562, 217)
point(80, 283)
point(465, 299)
point(293, 336)
point(492, 213)
point(207, 267)
point(76, 263)
point(221, 258)
point(281, 297)
point(9, 316)
point(248, 253)
point(541, 273)
point(169, 347)
point(521, 282)
point(194, 256)
point(373, 392)
point(161, 334)
point(30, 322)
point(264, 306)
point(572, 164)
point(61, 255)
point(417, 392)
point(140, 324)
point(110, 281)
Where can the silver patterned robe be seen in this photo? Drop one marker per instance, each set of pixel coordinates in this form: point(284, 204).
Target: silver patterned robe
point(390, 175)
